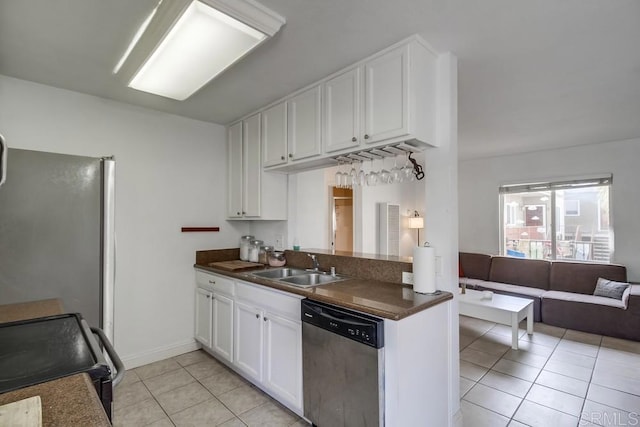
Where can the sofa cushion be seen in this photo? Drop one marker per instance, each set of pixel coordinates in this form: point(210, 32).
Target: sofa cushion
point(475, 266)
point(533, 273)
point(582, 277)
point(470, 283)
point(515, 289)
point(610, 289)
point(585, 299)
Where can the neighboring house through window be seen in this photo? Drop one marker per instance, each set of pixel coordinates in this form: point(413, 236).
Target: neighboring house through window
point(558, 220)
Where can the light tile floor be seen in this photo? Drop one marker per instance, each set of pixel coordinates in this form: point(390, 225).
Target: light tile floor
point(194, 389)
point(558, 377)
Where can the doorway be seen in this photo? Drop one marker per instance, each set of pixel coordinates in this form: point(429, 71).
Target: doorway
point(341, 229)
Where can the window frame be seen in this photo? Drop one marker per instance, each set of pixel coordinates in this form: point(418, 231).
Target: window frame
point(551, 218)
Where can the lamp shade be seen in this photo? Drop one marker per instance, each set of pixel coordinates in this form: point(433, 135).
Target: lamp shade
point(416, 222)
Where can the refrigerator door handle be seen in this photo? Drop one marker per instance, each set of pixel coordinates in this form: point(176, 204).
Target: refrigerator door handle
point(4, 151)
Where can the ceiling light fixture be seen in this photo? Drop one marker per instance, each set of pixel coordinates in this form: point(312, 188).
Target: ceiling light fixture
point(186, 43)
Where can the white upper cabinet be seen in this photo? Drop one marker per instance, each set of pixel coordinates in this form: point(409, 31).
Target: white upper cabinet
point(274, 135)
point(234, 171)
point(304, 126)
point(252, 167)
point(342, 110)
point(252, 193)
point(385, 99)
point(386, 96)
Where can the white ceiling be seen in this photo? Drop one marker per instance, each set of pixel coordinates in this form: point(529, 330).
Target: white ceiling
point(532, 74)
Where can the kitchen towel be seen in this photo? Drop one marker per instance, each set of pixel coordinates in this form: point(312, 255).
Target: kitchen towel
point(424, 269)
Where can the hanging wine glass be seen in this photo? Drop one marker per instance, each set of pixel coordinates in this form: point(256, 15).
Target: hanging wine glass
point(338, 177)
point(407, 171)
point(353, 175)
point(396, 172)
point(362, 178)
point(384, 174)
point(372, 176)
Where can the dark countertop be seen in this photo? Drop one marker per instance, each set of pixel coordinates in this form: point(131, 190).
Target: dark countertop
point(68, 401)
point(388, 300)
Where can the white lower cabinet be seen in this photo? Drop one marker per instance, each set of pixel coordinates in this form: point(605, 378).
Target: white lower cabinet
point(257, 330)
point(203, 316)
point(249, 338)
point(222, 326)
point(283, 358)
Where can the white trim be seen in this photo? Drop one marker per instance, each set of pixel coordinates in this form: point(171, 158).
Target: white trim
point(159, 353)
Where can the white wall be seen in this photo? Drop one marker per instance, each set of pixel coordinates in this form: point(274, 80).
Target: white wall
point(170, 172)
point(479, 180)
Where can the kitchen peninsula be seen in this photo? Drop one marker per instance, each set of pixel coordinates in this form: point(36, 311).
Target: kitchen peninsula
point(417, 342)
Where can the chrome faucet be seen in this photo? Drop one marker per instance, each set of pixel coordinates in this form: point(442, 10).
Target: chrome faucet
point(314, 259)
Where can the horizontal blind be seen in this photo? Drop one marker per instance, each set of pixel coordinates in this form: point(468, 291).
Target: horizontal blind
point(557, 185)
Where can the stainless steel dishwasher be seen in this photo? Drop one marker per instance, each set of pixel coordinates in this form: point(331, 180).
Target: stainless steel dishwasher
point(343, 366)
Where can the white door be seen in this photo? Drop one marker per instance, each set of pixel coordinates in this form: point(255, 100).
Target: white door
point(248, 339)
point(283, 358)
point(222, 331)
point(387, 95)
point(274, 135)
point(234, 173)
point(203, 317)
point(252, 167)
point(304, 124)
point(342, 111)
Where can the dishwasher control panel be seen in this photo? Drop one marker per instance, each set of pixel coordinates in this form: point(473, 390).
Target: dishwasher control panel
point(357, 326)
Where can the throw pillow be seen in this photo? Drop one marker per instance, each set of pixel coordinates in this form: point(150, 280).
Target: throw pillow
point(460, 272)
point(610, 289)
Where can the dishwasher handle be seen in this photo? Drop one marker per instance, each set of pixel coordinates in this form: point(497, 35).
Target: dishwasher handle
point(322, 312)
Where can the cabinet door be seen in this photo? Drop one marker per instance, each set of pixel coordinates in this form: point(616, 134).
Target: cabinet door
point(283, 358)
point(248, 339)
point(203, 317)
point(252, 169)
point(342, 111)
point(222, 330)
point(304, 124)
point(234, 172)
point(387, 95)
point(274, 135)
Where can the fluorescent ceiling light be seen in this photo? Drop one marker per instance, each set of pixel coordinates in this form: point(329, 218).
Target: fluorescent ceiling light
point(200, 39)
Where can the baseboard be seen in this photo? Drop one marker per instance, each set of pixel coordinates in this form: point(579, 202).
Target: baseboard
point(160, 353)
point(457, 419)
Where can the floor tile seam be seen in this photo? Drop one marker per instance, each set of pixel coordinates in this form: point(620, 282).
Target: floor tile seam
point(564, 391)
point(160, 374)
point(158, 403)
point(504, 391)
point(612, 389)
point(528, 364)
point(556, 409)
point(616, 389)
point(491, 410)
point(212, 397)
point(610, 406)
point(200, 403)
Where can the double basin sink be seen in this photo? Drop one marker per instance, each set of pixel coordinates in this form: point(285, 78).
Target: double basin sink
point(298, 277)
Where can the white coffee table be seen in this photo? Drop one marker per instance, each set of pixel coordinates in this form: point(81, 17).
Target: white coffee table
point(503, 309)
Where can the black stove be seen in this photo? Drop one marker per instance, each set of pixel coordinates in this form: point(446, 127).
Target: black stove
point(38, 350)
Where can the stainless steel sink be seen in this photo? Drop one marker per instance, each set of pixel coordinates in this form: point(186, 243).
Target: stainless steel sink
point(279, 273)
point(311, 279)
point(298, 277)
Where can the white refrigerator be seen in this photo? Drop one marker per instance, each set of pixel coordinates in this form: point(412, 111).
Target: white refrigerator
point(57, 232)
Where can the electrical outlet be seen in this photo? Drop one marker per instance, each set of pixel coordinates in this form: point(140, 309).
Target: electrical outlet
point(407, 278)
point(278, 242)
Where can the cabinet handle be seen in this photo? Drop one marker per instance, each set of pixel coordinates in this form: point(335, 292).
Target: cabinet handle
point(354, 139)
point(208, 296)
point(290, 156)
point(281, 157)
point(237, 213)
point(243, 212)
point(257, 316)
point(366, 136)
point(213, 282)
point(265, 319)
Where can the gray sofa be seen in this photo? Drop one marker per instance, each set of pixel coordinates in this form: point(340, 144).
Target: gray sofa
point(562, 291)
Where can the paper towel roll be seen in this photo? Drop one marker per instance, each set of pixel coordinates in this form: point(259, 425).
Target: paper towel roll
point(424, 269)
